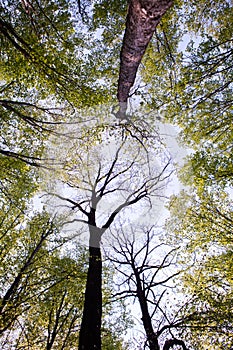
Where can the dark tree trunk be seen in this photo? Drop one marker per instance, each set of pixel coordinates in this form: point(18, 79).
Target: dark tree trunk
point(146, 319)
point(142, 19)
point(170, 343)
point(90, 332)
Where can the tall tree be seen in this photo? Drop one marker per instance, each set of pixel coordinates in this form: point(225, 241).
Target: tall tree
point(51, 57)
point(42, 289)
point(98, 174)
point(145, 267)
point(142, 19)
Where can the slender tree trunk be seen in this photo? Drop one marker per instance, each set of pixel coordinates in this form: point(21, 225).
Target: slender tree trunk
point(12, 290)
point(90, 332)
point(146, 319)
point(142, 19)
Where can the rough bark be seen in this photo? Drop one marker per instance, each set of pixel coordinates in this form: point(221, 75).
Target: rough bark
point(90, 331)
point(142, 19)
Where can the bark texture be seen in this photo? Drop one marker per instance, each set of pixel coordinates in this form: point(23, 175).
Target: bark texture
point(142, 19)
point(90, 331)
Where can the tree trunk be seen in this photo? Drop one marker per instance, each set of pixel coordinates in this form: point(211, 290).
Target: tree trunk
point(146, 319)
point(142, 19)
point(90, 332)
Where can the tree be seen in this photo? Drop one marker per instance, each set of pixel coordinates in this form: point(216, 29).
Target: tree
point(53, 63)
point(53, 40)
point(142, 19)
point(145, 267)
point(206, 229)
point(35, 75)
point(17, 279)
point(98, 174)
point(42, 289)
point(203, 112)
point(202, 93)
point(209, 89)
point(196, 96)
point(189, 84)
point(26, 39)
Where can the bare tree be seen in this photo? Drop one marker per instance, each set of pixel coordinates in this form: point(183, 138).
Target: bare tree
point(147, 268)
point(94, 179)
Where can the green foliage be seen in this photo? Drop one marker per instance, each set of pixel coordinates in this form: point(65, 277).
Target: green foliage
point(58, 57)
point(193, 88)
point(44, 48)
point(210, 284)
point(208, 17)
point(203, 226)
point(54, 315)
point(159, 65)
point(42, 289)
point(206, 110)
point(201, 216)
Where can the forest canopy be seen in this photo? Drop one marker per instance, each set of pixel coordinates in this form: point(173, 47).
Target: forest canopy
point(110, 237)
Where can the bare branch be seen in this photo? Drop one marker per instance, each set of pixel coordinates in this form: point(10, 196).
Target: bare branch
point(75, 204)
